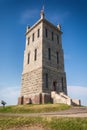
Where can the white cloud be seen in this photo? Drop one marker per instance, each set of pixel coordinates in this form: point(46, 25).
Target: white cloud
point(63, 16)
point(28, 15)
point(67, 57)
point(60, 17)
point(9, 95)
point(78, 92)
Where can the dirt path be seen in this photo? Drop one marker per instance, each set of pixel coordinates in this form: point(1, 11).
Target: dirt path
point(29, 128)
point(72, 112)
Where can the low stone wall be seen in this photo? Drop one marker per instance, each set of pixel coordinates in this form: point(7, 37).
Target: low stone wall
point(39, 98)
point(62, 98)
point(76, 102)
point(57, 98)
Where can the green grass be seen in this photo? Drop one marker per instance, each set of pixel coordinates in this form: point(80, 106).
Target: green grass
point(54, 123)
point(47, 122)
point(34, 108)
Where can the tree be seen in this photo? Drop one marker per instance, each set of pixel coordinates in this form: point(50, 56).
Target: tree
point(3, 103)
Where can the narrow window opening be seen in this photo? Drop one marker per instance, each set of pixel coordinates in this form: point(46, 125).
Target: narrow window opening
point(46, 80)
point(62, 84)
point(28, 61)
point(35, 55)
point(28, 40)
point(52, 36)
point(58, 39)
point(57, 54)
point(46, 32)
point(33, 37)
point(38, 33)
point(49, 53)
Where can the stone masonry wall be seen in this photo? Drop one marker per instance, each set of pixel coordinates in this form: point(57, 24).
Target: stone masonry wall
point(30, 48)
point(54, 76)
point(55, 46)
point(39, 98)
point(32, 82)
point(54, 69)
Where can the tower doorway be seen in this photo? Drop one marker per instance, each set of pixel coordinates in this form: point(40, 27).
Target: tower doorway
point(54, 86)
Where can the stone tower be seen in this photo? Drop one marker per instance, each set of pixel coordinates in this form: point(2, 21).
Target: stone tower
point(43, 70)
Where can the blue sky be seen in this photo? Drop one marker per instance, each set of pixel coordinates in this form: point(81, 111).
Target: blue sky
point(15, 15)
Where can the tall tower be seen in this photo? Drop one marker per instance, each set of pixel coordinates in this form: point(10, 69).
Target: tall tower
point(43, 70)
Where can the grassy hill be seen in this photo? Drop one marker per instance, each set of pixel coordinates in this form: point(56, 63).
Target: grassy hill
point(34, 108)
point(62, 123)
point(53, 123)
